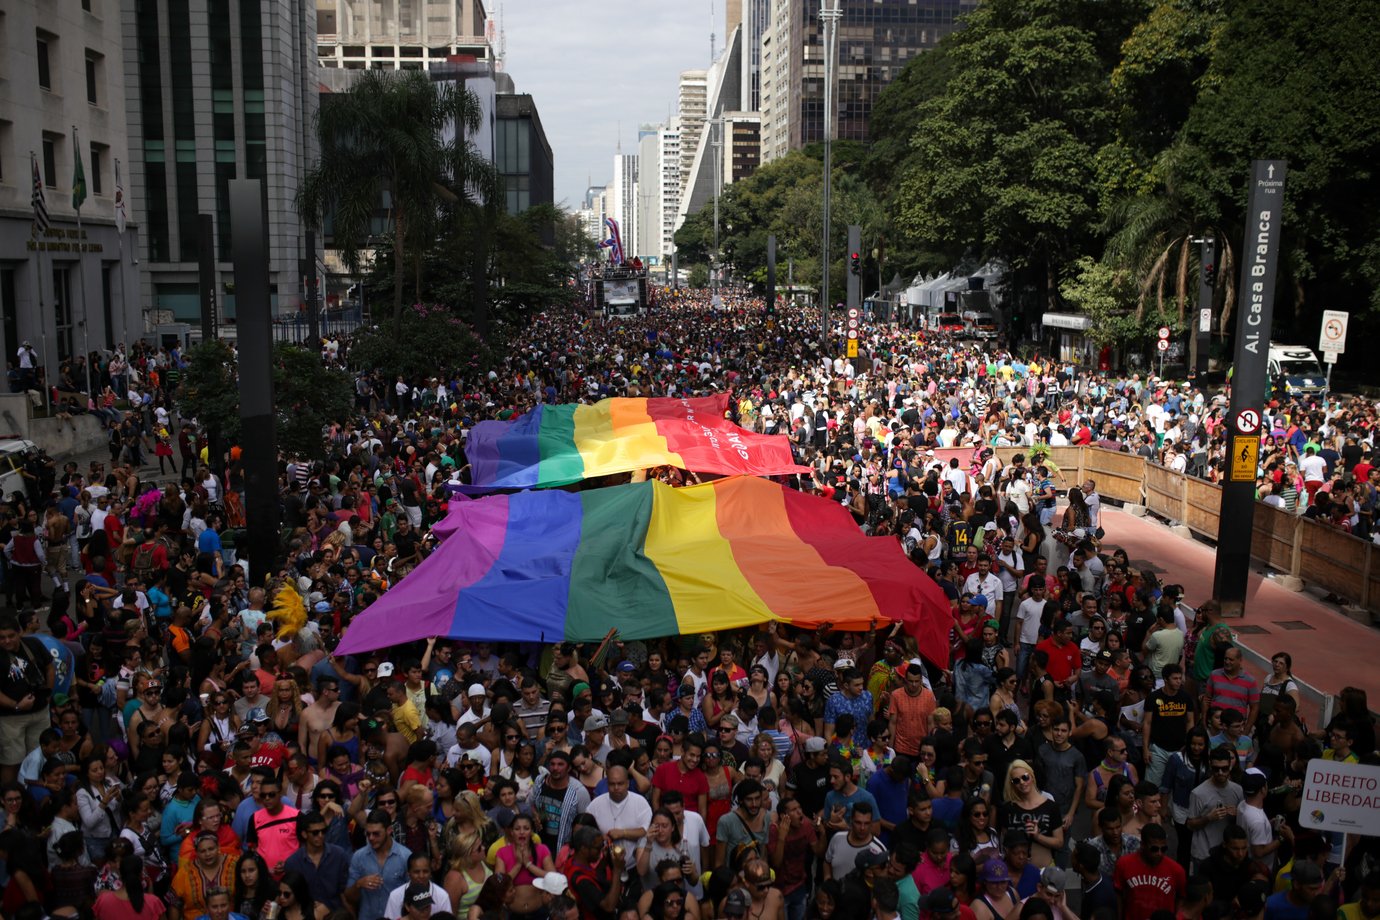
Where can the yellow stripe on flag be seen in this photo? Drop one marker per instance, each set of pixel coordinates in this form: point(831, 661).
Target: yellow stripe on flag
point(707, 589)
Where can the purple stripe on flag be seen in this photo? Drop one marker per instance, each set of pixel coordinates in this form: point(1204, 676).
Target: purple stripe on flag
point(423, 603)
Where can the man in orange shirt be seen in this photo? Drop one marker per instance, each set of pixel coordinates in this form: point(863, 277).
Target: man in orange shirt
point(912, 704)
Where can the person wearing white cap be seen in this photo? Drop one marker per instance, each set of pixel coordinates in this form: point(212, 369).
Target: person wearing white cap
point(477, 712)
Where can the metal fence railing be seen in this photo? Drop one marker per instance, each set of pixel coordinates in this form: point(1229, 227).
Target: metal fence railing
point(296, 327)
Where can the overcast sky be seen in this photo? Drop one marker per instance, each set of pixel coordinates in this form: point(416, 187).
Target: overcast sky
point(591, 66)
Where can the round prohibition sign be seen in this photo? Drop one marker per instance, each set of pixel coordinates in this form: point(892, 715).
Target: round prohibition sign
point(1248, 421)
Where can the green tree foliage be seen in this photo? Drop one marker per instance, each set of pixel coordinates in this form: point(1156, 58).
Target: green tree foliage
point(432, 341)
point(1047, 133)
point(384, 140)
point(1111, 300)
point(307, 395)
point(783, 198)
point(1002, 161)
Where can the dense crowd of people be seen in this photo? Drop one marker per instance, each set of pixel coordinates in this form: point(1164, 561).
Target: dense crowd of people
point(1091, 745)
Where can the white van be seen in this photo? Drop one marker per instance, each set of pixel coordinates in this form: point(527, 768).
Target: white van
point(13, 453)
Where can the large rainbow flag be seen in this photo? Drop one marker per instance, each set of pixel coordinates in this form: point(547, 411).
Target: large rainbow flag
point(555, 445)
point(650, 560)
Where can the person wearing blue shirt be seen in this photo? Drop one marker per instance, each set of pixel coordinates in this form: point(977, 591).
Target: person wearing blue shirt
point(179, 815)
point(852, 699)
point(890, 789)
point(844, 794)
point(376, 868)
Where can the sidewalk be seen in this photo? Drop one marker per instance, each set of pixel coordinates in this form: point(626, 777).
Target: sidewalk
point(1330, 650)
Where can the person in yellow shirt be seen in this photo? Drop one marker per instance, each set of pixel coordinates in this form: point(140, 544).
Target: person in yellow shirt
point(406, 719)
point(1367, 903)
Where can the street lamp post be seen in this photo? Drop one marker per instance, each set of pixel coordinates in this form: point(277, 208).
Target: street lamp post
point(829, 15)
point(717, 127)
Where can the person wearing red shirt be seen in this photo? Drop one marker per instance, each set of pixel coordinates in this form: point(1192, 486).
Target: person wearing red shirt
point(1147, 880)
point(1065, 660)
point(686, 777)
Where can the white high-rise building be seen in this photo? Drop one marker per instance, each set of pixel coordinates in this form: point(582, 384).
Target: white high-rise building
point(648, 192)
point(623, 204)
point(658, 190)
point(691, 106)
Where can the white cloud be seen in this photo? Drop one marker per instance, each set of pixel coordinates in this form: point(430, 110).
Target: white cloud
point(592, 66)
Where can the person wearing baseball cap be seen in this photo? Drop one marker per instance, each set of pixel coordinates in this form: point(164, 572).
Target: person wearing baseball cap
point(417, 901)
point(477, 708)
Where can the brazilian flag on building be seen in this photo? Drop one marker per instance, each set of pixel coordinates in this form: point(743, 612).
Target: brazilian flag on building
point(78, 176)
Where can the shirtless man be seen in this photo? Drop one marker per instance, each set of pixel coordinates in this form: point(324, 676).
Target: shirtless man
point(317, 717)
point(56, 530)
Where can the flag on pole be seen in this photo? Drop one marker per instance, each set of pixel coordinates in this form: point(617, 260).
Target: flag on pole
point(119, 201)
point(39, 202)
point(78, 174)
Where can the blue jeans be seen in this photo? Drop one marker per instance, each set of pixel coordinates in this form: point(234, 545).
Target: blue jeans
point(795, 902)
point(1023, 658)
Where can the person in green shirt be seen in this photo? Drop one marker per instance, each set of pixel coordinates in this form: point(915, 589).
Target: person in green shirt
point(1212, 636)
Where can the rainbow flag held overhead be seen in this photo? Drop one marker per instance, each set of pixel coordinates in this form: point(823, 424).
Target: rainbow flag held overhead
point(556, 445)
point(650, 560)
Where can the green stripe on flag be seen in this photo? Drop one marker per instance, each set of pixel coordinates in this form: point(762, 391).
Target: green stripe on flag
point(612, 583)
point(560, 461)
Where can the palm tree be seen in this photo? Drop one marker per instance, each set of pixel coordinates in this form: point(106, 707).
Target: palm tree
point(384, 144)
point(1152, 238)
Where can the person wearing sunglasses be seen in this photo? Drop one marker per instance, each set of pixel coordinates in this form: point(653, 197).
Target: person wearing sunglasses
point(273, 828)
point(1213, 803)
point(324, 866)
point(1148, 881)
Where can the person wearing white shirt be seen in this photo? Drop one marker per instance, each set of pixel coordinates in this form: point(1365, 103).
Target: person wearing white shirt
point(985, 583)
point(1029, 615)
point(1094, 503)
point(418, 870)
point(623, 817)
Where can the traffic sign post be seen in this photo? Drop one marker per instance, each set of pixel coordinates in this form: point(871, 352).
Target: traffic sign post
point(1332, 339)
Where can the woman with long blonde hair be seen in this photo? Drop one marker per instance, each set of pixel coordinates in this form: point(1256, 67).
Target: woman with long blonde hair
point(466, 872)
point(1025, 808)
point(467, 817)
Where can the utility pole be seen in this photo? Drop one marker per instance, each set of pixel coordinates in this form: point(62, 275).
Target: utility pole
point(829, 15)
point(717, 128)
point(1207, 272)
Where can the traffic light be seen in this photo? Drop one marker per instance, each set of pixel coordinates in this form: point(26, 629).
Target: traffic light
point(1210, 274)
point(855, 264)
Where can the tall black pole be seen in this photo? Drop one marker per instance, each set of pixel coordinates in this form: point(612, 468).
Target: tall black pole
point(249, 225)
point(771, 273)
point(1207, 268)
point(206, 276)
point(313, 294)
point(1255, 312)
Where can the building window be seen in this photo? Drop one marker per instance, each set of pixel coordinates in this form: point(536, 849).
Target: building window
point(45, 76)
point(50, 162)
point(62, 309)
point(93, 77)
point(97, 167)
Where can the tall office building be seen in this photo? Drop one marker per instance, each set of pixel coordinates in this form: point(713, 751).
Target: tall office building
point(400, 34)
point(756, 19)
point(622, 206)
point(658, 196)
point(648, 192)
point(691, 103)
point(774, 80)
point(218, 90)
point(875, 40)
point(61, 65)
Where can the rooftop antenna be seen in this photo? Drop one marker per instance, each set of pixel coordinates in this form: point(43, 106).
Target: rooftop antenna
point(620, 136)
point(502, 39)
point(711, 31)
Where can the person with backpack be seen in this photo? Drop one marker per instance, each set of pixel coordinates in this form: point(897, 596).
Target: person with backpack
point(151, 556)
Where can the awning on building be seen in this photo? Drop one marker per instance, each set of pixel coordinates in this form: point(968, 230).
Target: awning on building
point(1078, 322)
